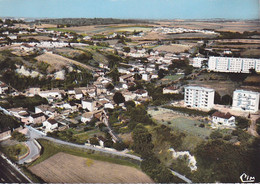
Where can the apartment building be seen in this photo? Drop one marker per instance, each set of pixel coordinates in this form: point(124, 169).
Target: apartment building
point(197, 62)
point(245, 100)
point(235, 65)
point(199, 97)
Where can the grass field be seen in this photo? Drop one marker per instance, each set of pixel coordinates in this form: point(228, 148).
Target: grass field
point(50, 149)
point(15, 151)
point(68, 168)
point(189, 126)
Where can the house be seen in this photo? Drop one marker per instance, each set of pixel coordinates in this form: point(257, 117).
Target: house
point(34, 91)
point(145, 77)
point(141, 93)
point(47, 110)
point(129, 95)
point(5, 134)
point(170, 90)
point(50, 125)
point(127, 78)
point(22, 114)
point(78, 94)
point(223, 120)
point(52, 94)
point(86, 117)
point(88, 104)
point(3, 87)
point(38, 118)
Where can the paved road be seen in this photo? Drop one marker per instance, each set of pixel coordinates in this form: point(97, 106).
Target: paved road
point(35, 134)
point(181, 176)
point(9, 174)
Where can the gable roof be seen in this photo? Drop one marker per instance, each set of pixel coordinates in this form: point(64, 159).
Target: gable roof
point(52, 121)
point(222, 115)
point(37, 115)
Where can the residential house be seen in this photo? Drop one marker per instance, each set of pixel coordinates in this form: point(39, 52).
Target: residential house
point(141, 93)
point(127, 78)
point(170, 90)
point(38, 118)
point(223, 120)
point(86, 117)
point(50, 125)
point(88, 104)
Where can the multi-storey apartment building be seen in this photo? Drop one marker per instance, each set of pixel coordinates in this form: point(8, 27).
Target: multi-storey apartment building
point(245, 100)
point(199, 97)
point(236, 65)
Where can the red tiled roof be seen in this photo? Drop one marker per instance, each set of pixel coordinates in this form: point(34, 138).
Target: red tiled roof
point(222, 115)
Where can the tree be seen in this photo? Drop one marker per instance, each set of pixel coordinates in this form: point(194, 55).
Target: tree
point(161, 73)
point(119, 146)
point(226, 100)
point(216, 135)
point(118, 98)
point(109, 86)
point(242, 122)
point(142, 141)
point(217, 98)
point(94, 141)
point(18, 136)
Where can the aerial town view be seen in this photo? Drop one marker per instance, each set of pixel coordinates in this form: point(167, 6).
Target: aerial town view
point(140, 91)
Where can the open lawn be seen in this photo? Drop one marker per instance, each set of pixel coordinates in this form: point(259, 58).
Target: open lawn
point(189, 126)
point(14, 151)
point(177, 121)
point(68, 168)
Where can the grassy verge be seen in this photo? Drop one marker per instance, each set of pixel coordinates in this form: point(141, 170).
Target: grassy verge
point(32, 176)
point(14, 151)
point(50, 149)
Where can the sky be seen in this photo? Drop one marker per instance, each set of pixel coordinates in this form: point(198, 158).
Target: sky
point(136, 9)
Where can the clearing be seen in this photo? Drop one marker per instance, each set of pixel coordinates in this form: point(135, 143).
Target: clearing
point(58, 62)
point(67, 168)
point(175, 48)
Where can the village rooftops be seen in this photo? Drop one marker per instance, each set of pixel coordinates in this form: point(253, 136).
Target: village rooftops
point(52, 121)
point(38, 115)
point(222, 115)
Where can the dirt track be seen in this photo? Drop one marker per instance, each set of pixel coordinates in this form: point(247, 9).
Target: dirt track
point(67, 168)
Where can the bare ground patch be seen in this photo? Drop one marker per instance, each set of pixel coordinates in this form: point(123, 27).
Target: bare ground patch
point(67, 168)
point(58, 62)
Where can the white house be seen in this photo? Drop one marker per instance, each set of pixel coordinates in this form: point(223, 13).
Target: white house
point(86, 117)
point(236, 65)
point(199, 97)
point(141, 93)
point(170, 90)
point(145, 77)
point(50, 125)
point(55, 93)
point(245, 100)
point(220, 119)
point(88, 104)
point(197, 62)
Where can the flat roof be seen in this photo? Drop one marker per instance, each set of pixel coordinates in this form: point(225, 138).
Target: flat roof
point(199, 88)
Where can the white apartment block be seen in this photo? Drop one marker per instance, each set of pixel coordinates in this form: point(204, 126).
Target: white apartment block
point(245, 100)
point(199, 97)
point(236, 65)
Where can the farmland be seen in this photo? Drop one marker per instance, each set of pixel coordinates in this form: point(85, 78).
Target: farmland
point(67, 168)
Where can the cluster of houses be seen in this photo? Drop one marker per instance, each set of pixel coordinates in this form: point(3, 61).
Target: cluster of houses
point(168, 30)
point(203, 98)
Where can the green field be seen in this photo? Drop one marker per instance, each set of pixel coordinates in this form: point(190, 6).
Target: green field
point(15, 151)
point(50, 149)
point(188, 126)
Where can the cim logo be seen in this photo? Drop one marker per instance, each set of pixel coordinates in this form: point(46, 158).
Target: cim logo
point(247, 179)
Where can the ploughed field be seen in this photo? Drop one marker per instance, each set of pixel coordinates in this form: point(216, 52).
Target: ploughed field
point(68, 168)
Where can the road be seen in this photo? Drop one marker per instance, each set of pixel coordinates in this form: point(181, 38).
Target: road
point(9, 174)
point(181, 176)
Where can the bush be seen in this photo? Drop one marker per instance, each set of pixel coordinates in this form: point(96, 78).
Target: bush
point(19, 136)
point(242, 122)
point(216, 135)
point(119, 146)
